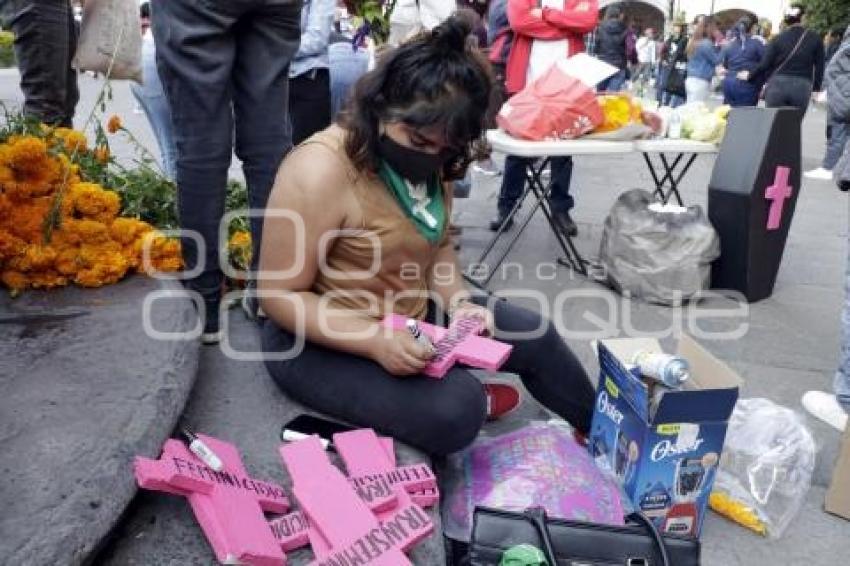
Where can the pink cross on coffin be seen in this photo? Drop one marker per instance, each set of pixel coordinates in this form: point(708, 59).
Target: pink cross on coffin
point(459, 343)
point(229, 505)
point(777, 193)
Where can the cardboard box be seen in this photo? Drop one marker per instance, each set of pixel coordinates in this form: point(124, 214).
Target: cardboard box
point(666, 462)
point(838, 496)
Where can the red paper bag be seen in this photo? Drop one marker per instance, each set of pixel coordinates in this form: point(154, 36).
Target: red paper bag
point(555, 106)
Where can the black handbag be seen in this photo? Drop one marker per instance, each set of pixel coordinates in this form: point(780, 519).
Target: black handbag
point(574, 543)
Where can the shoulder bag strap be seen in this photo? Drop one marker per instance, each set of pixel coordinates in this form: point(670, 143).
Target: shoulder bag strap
point(793, 51)
point(653, 532)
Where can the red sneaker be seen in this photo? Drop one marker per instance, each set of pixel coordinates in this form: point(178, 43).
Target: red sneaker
point(503, 398)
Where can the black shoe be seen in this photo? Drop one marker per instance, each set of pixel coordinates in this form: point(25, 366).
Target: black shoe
point(497, 222)
point(565, 223)
point(212, 324)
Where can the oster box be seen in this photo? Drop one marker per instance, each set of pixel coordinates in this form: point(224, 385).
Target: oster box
point(666, 461)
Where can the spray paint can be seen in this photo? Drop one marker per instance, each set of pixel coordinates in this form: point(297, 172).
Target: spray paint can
point(667, 369)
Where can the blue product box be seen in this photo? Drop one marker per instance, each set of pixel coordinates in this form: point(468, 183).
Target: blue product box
point(666, 461)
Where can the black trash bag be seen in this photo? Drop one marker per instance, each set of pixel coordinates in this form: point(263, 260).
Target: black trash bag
point(660, 257)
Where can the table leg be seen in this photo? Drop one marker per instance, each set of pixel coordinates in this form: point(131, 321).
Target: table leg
point(659, 192)
point(670, 173)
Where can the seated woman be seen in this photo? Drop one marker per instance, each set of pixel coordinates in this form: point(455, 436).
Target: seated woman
point(356, 228)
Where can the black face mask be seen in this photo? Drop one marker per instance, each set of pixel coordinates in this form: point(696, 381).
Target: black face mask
point(414, 165)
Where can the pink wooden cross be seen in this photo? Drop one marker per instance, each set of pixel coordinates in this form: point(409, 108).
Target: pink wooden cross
point(350, 530)
point(365, 456)
point(777, 193)
point(228, 504)
point(459, 343)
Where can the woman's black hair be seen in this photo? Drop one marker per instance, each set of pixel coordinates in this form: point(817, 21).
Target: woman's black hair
point(794, 14)
point(436, 79)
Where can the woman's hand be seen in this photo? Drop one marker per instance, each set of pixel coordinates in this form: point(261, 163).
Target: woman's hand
point(743, 75)
point(467, 309)
point(400, 354)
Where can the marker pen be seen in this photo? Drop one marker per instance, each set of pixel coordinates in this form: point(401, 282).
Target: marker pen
point(294, 436)
point(418, 335)
point(202, 451)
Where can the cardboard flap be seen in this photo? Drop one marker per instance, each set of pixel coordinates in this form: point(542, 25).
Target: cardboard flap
point(696, 406)
point(707, 372)
point(838, 496)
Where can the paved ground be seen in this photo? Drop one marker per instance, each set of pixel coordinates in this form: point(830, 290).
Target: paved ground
point(792, 340)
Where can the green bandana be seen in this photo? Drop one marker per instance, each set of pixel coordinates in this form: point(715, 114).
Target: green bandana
point(423, 204)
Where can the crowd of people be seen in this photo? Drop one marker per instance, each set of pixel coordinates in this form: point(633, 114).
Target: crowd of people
point(286, 86)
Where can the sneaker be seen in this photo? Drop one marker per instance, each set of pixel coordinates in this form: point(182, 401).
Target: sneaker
point(212, 324)
point(497, 222)
point(566, 223)
point(827, 408)
point(487, 168)
point(819, 174)
point(503, 398)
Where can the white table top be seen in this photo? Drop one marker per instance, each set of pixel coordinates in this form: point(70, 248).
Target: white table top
point(674, 146)
point(504, 143)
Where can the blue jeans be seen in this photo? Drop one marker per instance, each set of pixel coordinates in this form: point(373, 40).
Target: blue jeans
point(738, 93)
point(513, 183)
point(666, 98)
point(842, 376)
point(225, 68)
point(614, 83)
point(347, 66)
point(152, 99)
point(835, 142)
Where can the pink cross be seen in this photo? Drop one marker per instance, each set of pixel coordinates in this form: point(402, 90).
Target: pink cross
point(459, 343)
point(777, 193)
point(229, 504)
point(349, 531)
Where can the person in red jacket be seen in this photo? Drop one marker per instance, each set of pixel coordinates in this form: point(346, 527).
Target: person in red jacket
point(544, 33)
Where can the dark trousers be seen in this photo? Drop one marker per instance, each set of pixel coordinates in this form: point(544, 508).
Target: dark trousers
point(45, 42)
point(309, 104)
point(439, 416)
point(787, 90)
point(738, 93)
point(513, 183)
point(224, 67)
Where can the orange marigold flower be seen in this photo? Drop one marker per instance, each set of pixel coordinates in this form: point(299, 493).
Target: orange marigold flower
point(91, 201)
point(127, 230)
point(14, 280)
point(103, 266)
point(114, 124)
point(72, 140)
point(102, 154)
point(47, 280)
point(33, 257)
point(68, 261)
point(10, 245)
point(33, 170)
point(85, 231)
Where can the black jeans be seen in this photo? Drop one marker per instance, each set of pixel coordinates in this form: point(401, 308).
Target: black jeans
point(309, 104)
point(787, 90)
point(439, 416)
point(45, 42)
point(224, 66)
point(514, 179)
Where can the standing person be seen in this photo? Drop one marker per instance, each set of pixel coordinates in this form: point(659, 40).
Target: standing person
point(309, 77)
point(611, 47)
point(347, 62)
point(413, 120)
point(670, 85)
point(833, 42)
point(151, 97)
point(224, 66)
point(647, 56)
point(45, 43)
point(792, 64)
point(542, 36)
point(703, 59)
point(837, 81)
point(411, 17)
point(765, 33)
point(744, 53)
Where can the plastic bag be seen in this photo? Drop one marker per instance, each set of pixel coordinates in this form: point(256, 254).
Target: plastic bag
point(555, 106)
point(540, 464)
point(766, 467)
point(111, 39)
point(662, 256)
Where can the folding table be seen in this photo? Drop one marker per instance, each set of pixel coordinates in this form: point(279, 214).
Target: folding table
point(543, 152)
point(667, 185)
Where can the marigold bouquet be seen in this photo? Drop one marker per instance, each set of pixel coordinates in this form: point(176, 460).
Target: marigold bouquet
point(57, 227)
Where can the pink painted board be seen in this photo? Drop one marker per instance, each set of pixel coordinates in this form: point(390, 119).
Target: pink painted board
point(424, 498)
point(364, 454)
point(228, 505)
point(333, 508)
point(460, 343)
point(291, 530)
